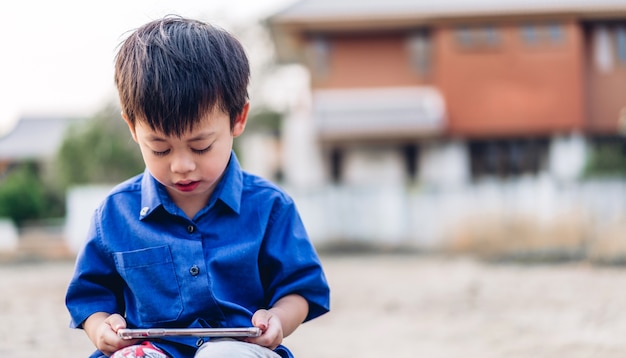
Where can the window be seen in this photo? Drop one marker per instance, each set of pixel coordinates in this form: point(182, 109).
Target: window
point(542, 34)
point(620, 39)
point(486, 36)
point(464, 36)
point(602, 49)
point(319, 55)
point(609, 46)
point(491, 35)
point(419, 47)
point(556, 33)
point(507, 158)
point(530, 35)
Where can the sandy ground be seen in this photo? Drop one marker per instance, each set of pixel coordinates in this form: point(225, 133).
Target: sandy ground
point(385, 306)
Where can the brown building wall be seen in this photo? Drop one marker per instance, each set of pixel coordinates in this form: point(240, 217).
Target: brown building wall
point(367, 60)
point(606, 91)
point(512, 88)
point(607, 102)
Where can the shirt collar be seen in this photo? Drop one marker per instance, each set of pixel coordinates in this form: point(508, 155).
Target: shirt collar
point(228, 191)
point(150, 195)
point(230, 187)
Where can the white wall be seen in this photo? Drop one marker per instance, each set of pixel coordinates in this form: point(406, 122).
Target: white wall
point(301, 153)
point(81, 201)
point(567, 156)
point(260, 154)
point(381, 166)
point(444, 164)
point(8, 236)
point(427, 217)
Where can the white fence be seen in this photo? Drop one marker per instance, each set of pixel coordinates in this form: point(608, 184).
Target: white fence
point(432, 218)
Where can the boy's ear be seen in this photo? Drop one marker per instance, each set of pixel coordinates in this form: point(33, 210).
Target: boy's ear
point(240, 122)
point(131, 127)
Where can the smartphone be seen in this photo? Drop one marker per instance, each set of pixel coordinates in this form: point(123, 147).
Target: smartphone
point(127, 333)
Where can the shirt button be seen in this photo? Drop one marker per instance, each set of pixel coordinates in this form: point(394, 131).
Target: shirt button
point(194, 270)
point(199, 342)
point(190, 229)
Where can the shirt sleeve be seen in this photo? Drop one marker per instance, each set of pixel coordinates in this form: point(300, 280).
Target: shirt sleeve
point(290, 264)
point(95, 285)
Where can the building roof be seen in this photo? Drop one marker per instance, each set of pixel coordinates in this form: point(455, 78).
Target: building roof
point(308, 11)
point(34, 138)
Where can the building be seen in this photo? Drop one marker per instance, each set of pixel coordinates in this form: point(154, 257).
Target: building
point(431, 122)
point(33, 139)
point(479, 87)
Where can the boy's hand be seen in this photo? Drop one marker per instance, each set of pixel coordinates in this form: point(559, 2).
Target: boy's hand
point(279, 321)
point(271, 329)
point(102, 330)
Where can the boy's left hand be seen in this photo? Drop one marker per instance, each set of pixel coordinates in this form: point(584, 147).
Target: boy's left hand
point(271, 329)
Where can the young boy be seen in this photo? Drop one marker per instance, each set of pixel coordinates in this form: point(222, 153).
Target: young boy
point(194, 241)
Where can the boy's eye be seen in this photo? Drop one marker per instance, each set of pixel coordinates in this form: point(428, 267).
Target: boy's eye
point(160, 154)
point(201, 151)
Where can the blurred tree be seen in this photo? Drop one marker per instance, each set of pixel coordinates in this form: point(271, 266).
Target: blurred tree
point(22, 194)
point(265, 119)
point(99, 150)
point(606, 160)
point(260, 120)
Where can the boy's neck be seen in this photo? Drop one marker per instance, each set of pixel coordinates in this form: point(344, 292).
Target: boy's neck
point(190, 205)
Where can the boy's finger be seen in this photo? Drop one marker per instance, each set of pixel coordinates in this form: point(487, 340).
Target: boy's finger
point(116, 322)
point(261, 319)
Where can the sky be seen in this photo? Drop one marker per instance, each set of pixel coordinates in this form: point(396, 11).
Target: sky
point(57, 55)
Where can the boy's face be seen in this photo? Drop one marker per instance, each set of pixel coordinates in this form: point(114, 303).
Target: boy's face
point(190, 166)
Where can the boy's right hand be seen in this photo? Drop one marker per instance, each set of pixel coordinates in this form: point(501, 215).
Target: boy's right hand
point(102, 329)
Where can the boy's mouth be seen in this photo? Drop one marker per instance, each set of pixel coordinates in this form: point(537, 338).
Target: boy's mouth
point(187, 186)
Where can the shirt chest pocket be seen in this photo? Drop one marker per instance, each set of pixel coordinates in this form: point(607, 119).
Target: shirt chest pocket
point(154, 291)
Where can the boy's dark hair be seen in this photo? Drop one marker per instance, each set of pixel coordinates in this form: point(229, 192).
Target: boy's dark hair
point(172, 71)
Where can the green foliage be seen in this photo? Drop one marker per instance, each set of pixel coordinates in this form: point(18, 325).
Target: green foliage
point(97, 150)
point(22, 194)
point(100, 150)
point(261, 120)
point(606, 160)
point(265, 120)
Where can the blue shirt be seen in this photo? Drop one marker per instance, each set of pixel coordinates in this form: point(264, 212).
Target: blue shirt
point(147, 261)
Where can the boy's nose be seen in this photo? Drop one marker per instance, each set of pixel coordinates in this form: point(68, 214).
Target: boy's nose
point(182, 164)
